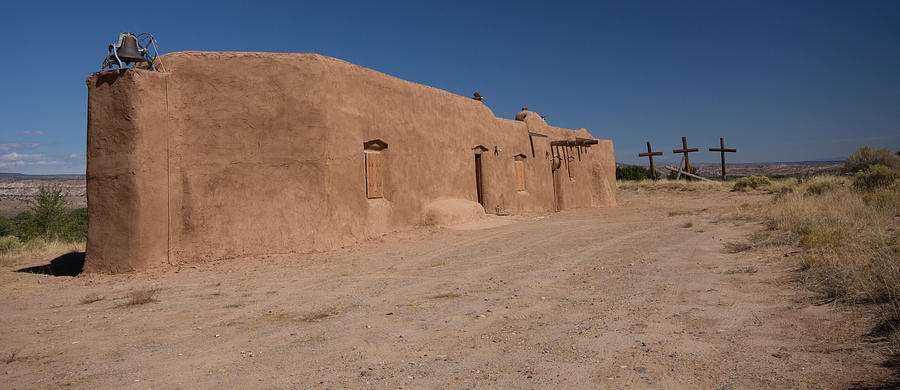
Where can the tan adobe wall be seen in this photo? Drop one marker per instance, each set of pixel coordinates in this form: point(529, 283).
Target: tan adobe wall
point(265, 155)
point(126, 171)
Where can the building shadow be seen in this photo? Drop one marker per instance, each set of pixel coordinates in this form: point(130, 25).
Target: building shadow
point(69, 264)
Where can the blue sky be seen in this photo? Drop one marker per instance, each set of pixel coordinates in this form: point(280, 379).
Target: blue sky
point(781, 81)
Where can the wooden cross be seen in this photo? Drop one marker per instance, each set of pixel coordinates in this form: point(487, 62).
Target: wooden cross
point(684, 149)
point(650, 153)
point(721, 149)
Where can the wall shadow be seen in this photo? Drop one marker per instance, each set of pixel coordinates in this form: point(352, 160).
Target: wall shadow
point(69, 264)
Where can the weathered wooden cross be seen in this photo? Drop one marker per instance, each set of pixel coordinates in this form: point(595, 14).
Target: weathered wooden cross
point(721, 149)
point(650, 153)
point(684, 149)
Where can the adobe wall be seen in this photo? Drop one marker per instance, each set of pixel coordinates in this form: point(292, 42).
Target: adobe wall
point(265, 155)
point(126, 171)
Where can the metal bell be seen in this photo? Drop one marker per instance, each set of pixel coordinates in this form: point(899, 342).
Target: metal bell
point(128, 51)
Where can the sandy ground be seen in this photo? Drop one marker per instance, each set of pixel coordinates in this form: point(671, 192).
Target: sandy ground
point(625, 297)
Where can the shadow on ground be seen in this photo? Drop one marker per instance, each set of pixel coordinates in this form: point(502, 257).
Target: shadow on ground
point(69, 264)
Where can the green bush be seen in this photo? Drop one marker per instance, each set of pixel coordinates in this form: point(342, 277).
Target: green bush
point(821, 187)
point(865, 157)
point(633, 172)
point(7, 227)
point(749, 182)
point(77, 225)
point(47, 219)
point(875, 177)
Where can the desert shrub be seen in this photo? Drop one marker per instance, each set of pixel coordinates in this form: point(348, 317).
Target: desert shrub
point(76, 227)
point(7, 227)
point(140, 297)
point(850, 244)
point(753, 182)
point(633, 172)
point(865, 157)
point(821, 187)
point(875, 177)
point(781, 189)
point(822, 237)
point(8, 244)
point(884, 200)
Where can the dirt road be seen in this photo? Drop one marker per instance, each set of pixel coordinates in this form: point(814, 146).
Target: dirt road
point(643, 295)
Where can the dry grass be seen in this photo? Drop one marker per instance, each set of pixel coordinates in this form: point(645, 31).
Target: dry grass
point(91, 298)
point(672, 185)
point(140, 297)
point(13, 356)
point(326, 313)
point(737, 247)
point(849, 239)
point(279, 317)
point(445, 296)
point(13, 251)
point(742, 270)
point(432, 301)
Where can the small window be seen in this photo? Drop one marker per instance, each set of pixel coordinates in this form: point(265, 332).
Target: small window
point(520, 172)
point(374, 168)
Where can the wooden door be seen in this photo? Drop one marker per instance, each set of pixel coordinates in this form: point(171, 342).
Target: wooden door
point(374, 176)
point(478, 180)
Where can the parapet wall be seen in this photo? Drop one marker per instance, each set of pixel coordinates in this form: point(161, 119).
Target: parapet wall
point(236, 154)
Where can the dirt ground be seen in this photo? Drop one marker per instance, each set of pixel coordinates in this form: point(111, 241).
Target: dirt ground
point(640, 296)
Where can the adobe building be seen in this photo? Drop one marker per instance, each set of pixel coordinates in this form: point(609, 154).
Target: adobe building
point(226, 155)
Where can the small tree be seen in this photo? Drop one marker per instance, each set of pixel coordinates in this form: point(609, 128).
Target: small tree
point(865, 157)
point(50, 220)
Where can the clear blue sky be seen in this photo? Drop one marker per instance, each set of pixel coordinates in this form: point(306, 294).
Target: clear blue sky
point(781, 81)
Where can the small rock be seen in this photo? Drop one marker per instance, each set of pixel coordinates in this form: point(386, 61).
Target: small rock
point(640, 370)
